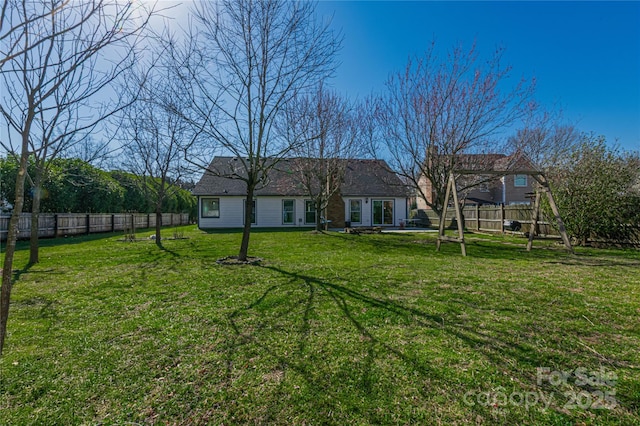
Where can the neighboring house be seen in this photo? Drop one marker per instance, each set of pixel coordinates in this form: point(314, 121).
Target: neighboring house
point(5, 206)
point(370, 195)
point(508, 189)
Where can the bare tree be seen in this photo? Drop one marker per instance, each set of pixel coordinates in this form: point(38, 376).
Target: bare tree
point(16, 16)
point(438, 109)
point(154, 133)
point(53, 70)
point(97, 152)
point(253, 57)
point(367, 116)
point(61, 75)
point(325, 136)
point(544, 138)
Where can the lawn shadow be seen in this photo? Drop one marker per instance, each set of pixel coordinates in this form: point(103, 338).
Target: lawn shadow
point(47, 307)
point(494, 344)
point(164, 248)
point(548, 254)
point(425, 244)
point(385, 242)
point(18, 273)
point(500, 250)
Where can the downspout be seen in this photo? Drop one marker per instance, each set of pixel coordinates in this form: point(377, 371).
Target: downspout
point(199, 210)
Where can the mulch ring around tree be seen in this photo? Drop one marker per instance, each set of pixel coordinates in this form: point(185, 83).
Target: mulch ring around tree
point(233, 260)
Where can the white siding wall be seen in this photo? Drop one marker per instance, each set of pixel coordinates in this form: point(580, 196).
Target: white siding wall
point(230, 213)
point(269, 212)
point(402, 211)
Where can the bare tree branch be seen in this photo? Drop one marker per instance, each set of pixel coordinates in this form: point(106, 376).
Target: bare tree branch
point(438, 109)
point(154, 133)
point(324, 135)
point(252, 57)
point(544, 138)
point(60, 55)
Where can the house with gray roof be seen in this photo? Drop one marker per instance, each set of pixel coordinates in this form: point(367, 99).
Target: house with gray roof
point(370, 194)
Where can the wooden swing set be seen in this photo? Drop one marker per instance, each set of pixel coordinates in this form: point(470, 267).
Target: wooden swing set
point(543, 187)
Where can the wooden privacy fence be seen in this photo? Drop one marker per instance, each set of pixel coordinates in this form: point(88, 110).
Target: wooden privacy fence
point(63, 224)
point(492, 219)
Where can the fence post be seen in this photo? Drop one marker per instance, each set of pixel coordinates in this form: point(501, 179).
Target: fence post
point(70, 223)
point(502, 218)
point(477, 217)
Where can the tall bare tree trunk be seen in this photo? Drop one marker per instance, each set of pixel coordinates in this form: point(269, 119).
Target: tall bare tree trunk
point(318, 206)
point(246, 230)
point(12, 238)
point(35, 218)
point(158, 224)
point(258, 54)
point(51, 75)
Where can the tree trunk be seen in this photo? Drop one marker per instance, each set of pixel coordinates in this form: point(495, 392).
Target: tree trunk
point(34, 249)
point(246, 230)
point(12, 237)
point(158, 225)
point(318, 206)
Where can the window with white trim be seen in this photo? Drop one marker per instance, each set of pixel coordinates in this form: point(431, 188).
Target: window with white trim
point(520, 180)
point(309, 212)
point(210, 207)
point(288, 212)
point(253, 211)
point(355, 211)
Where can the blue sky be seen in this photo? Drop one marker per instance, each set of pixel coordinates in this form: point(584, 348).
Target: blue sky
point(585, 56)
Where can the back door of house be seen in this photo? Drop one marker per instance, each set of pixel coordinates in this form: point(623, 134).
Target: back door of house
point(382, 212)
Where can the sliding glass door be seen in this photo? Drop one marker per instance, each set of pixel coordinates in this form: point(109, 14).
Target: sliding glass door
point(382, 212)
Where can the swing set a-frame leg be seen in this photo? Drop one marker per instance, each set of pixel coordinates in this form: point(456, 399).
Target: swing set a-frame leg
point(561, 228)
point(451, 189)
point(534, 220)
point(556, 213)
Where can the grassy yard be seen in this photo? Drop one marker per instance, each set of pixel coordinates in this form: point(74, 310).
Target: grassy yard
point(329, 329)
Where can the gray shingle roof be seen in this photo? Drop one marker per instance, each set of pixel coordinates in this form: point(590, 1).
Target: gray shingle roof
point(492, 162)
point(371, 178)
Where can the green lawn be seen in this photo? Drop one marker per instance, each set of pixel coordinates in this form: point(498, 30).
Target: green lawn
point(330, 329)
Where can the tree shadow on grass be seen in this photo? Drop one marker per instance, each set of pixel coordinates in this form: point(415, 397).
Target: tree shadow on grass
point(476, 248)
point(546, 255)
point(164, 248)
point(255, 324)
point(382, 243)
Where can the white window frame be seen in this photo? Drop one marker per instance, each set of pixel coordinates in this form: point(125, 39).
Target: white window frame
point(393, 211)
point(293, 211)
point(515, 180)
point(351, 211)
point(306, 211)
